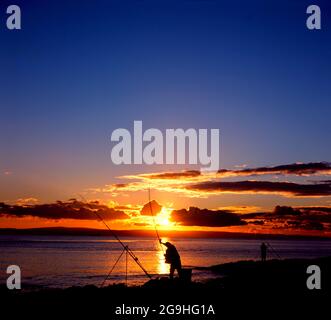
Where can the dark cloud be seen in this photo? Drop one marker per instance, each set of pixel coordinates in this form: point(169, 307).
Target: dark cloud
point(305, 218)
point(284, 210)
point(294, 168)
point(120, 185)
point(310, 168)
point(207, 218)
point(146, 210)
point(312, 225)
point(257, 222)
point(72, 209)
point(306, 225)
point(295, 189)
point(175, 175)
point(321, 210)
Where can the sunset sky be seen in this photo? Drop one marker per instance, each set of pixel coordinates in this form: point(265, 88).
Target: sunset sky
point(79, 70)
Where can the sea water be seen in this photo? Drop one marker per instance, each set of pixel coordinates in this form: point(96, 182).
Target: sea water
point(64, 261)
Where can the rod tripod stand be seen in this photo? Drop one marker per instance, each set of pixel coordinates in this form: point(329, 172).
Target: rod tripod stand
point(125, 250)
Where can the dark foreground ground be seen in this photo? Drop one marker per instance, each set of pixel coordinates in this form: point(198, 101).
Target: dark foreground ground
point(248, 288)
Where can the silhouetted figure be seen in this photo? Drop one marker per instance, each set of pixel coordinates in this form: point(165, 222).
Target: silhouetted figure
point(172, 257)
point(263, 252)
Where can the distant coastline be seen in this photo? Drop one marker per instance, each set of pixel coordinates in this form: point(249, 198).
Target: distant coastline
point(63, 231)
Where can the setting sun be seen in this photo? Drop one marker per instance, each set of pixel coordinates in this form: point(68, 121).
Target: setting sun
point(163, 218)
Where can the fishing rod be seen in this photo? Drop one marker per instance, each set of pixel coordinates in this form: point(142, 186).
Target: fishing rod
point(113, 267)
point(150, 206)
point(273, 250)
point(125, 247)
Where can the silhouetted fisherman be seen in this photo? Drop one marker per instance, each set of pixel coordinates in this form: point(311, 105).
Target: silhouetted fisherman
point(263, 252)
point(172, 257)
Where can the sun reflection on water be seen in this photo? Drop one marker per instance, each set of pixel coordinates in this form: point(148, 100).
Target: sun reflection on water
point(162, 267)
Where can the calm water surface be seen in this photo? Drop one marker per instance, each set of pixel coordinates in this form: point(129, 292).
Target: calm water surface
point(62, 261)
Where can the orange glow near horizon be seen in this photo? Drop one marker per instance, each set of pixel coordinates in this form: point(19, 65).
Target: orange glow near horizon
point(162, 221)
point(163, 225)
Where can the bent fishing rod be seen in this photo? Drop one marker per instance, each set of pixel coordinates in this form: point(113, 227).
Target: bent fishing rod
point(151, 209)
point(125, 247)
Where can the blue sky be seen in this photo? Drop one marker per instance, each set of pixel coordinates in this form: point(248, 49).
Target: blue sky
point(80, 69)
